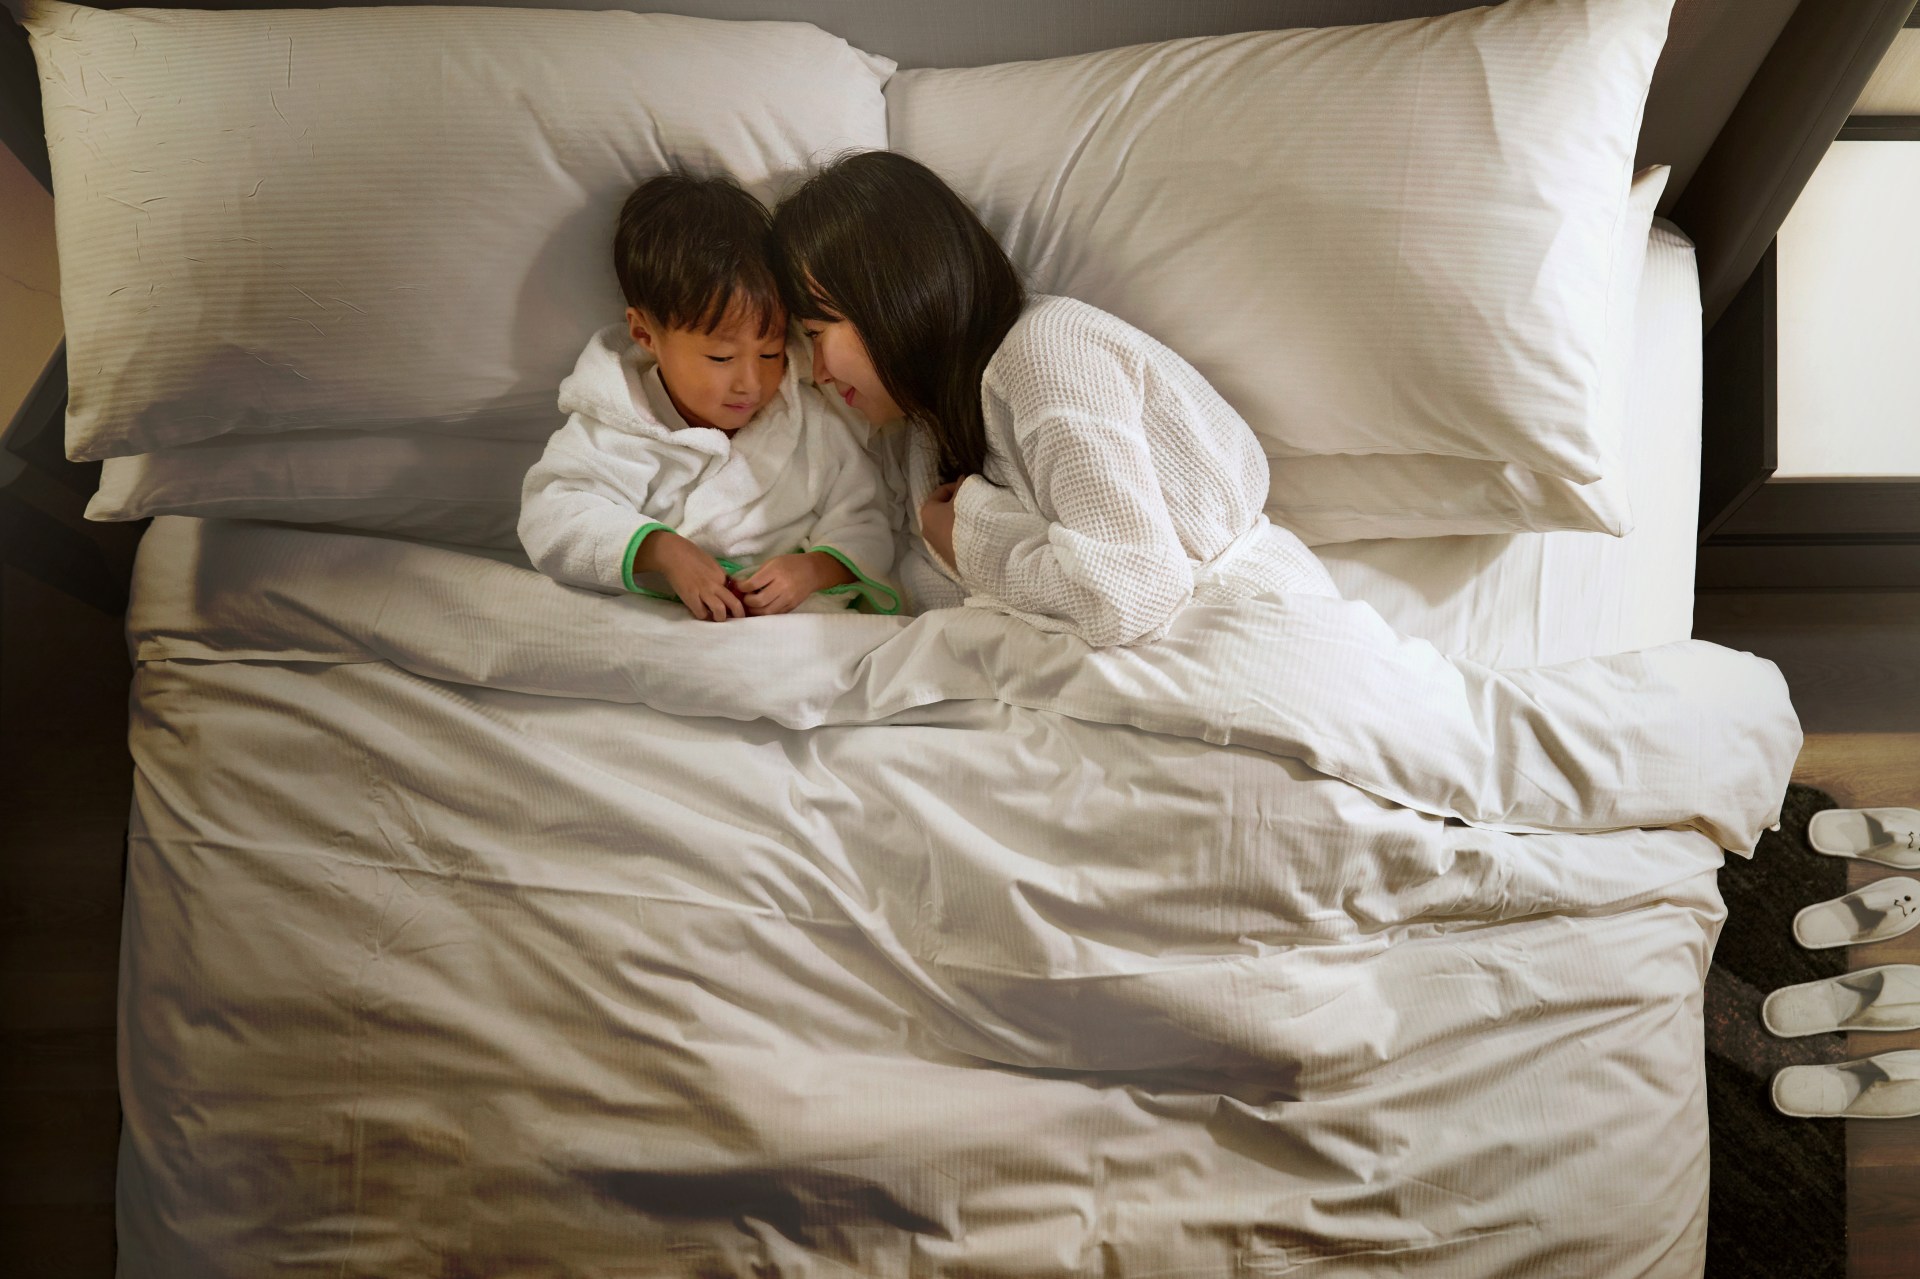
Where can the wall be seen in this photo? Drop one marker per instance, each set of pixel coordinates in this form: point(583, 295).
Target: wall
point(1849, 263)
point(1849, 387)
point(1895, 86)
point(29, 284)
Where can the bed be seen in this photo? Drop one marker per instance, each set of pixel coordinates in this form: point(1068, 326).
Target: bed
point(478, 925)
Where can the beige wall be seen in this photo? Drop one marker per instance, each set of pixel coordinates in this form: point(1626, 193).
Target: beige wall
point(1895, 87)
point(29, 284)
point(1849, 271)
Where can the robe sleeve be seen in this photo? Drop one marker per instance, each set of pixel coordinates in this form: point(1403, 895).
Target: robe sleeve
point(578, 525)
point(1107, 562)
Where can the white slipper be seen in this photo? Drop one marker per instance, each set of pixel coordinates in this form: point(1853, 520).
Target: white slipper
point(1885, 908)
point(1883, 998)
point(1883, 1087)
point(1890, 836)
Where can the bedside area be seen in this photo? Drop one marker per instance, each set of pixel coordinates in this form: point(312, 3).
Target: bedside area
point(1810, 537)
point(69, 782)
point(1864, 770)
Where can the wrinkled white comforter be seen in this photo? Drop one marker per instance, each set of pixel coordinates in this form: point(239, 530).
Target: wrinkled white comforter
point(477, 925)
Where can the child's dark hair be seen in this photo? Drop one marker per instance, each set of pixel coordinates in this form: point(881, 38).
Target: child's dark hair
point(878, 239)
point(688, 250)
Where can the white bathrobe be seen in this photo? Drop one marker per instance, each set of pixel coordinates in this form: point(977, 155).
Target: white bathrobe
point(1119, 486)
point(795, 478)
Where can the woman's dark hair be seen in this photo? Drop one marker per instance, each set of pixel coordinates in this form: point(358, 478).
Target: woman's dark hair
point(881, 241)
point(688, 249)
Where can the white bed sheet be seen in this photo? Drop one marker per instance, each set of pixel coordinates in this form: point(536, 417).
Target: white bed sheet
point(422, 979)
point(1528, 599)
point(476, 925)
point(479, 925)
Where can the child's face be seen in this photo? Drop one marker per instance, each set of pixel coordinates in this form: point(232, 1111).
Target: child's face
point(718, 379)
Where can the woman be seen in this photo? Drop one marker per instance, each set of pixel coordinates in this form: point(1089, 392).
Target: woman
point(1062, 465)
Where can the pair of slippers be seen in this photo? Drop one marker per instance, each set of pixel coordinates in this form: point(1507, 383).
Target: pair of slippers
point(1885, 908)
point(1882, 1087)
point(1886, 1086)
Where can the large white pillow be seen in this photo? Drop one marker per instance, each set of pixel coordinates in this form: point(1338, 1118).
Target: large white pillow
point(365, 218)
point(1395, 238)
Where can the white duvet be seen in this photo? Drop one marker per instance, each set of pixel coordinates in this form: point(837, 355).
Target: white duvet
point(478, 925)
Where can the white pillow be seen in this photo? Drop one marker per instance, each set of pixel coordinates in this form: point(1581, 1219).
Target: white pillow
point(1378, 239)
point(436, 488)
point(366, 218)
point(1337, 497)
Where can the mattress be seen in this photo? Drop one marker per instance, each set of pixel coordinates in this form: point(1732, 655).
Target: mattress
point(479, 926)
point(1524, 599)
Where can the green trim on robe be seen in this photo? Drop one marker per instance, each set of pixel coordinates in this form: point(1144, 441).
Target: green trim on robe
point(626, 562)
point(876, 596)
point(873, 595)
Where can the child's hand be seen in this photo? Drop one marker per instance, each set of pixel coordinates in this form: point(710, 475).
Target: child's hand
point(779, 585)
point(696, 577)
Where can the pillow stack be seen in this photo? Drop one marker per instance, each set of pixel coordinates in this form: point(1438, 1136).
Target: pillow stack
point(1407, 253)
point(331, 265)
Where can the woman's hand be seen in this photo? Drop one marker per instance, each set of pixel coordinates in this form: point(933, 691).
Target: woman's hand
point(779, 585)
point(936, 520)
point(696, 577)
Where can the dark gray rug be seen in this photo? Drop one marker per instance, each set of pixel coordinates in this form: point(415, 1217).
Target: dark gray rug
point(1778, 1206)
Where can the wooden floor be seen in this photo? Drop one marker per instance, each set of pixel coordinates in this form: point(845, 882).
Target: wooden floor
point(63, 817)
point(1853, 663)
point(1852, 658)
point(1864, 770)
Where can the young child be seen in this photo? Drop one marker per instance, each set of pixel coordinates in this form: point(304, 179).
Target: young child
point(697, 464)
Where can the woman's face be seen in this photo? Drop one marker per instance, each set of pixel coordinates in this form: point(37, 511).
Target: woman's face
point(842, 367)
